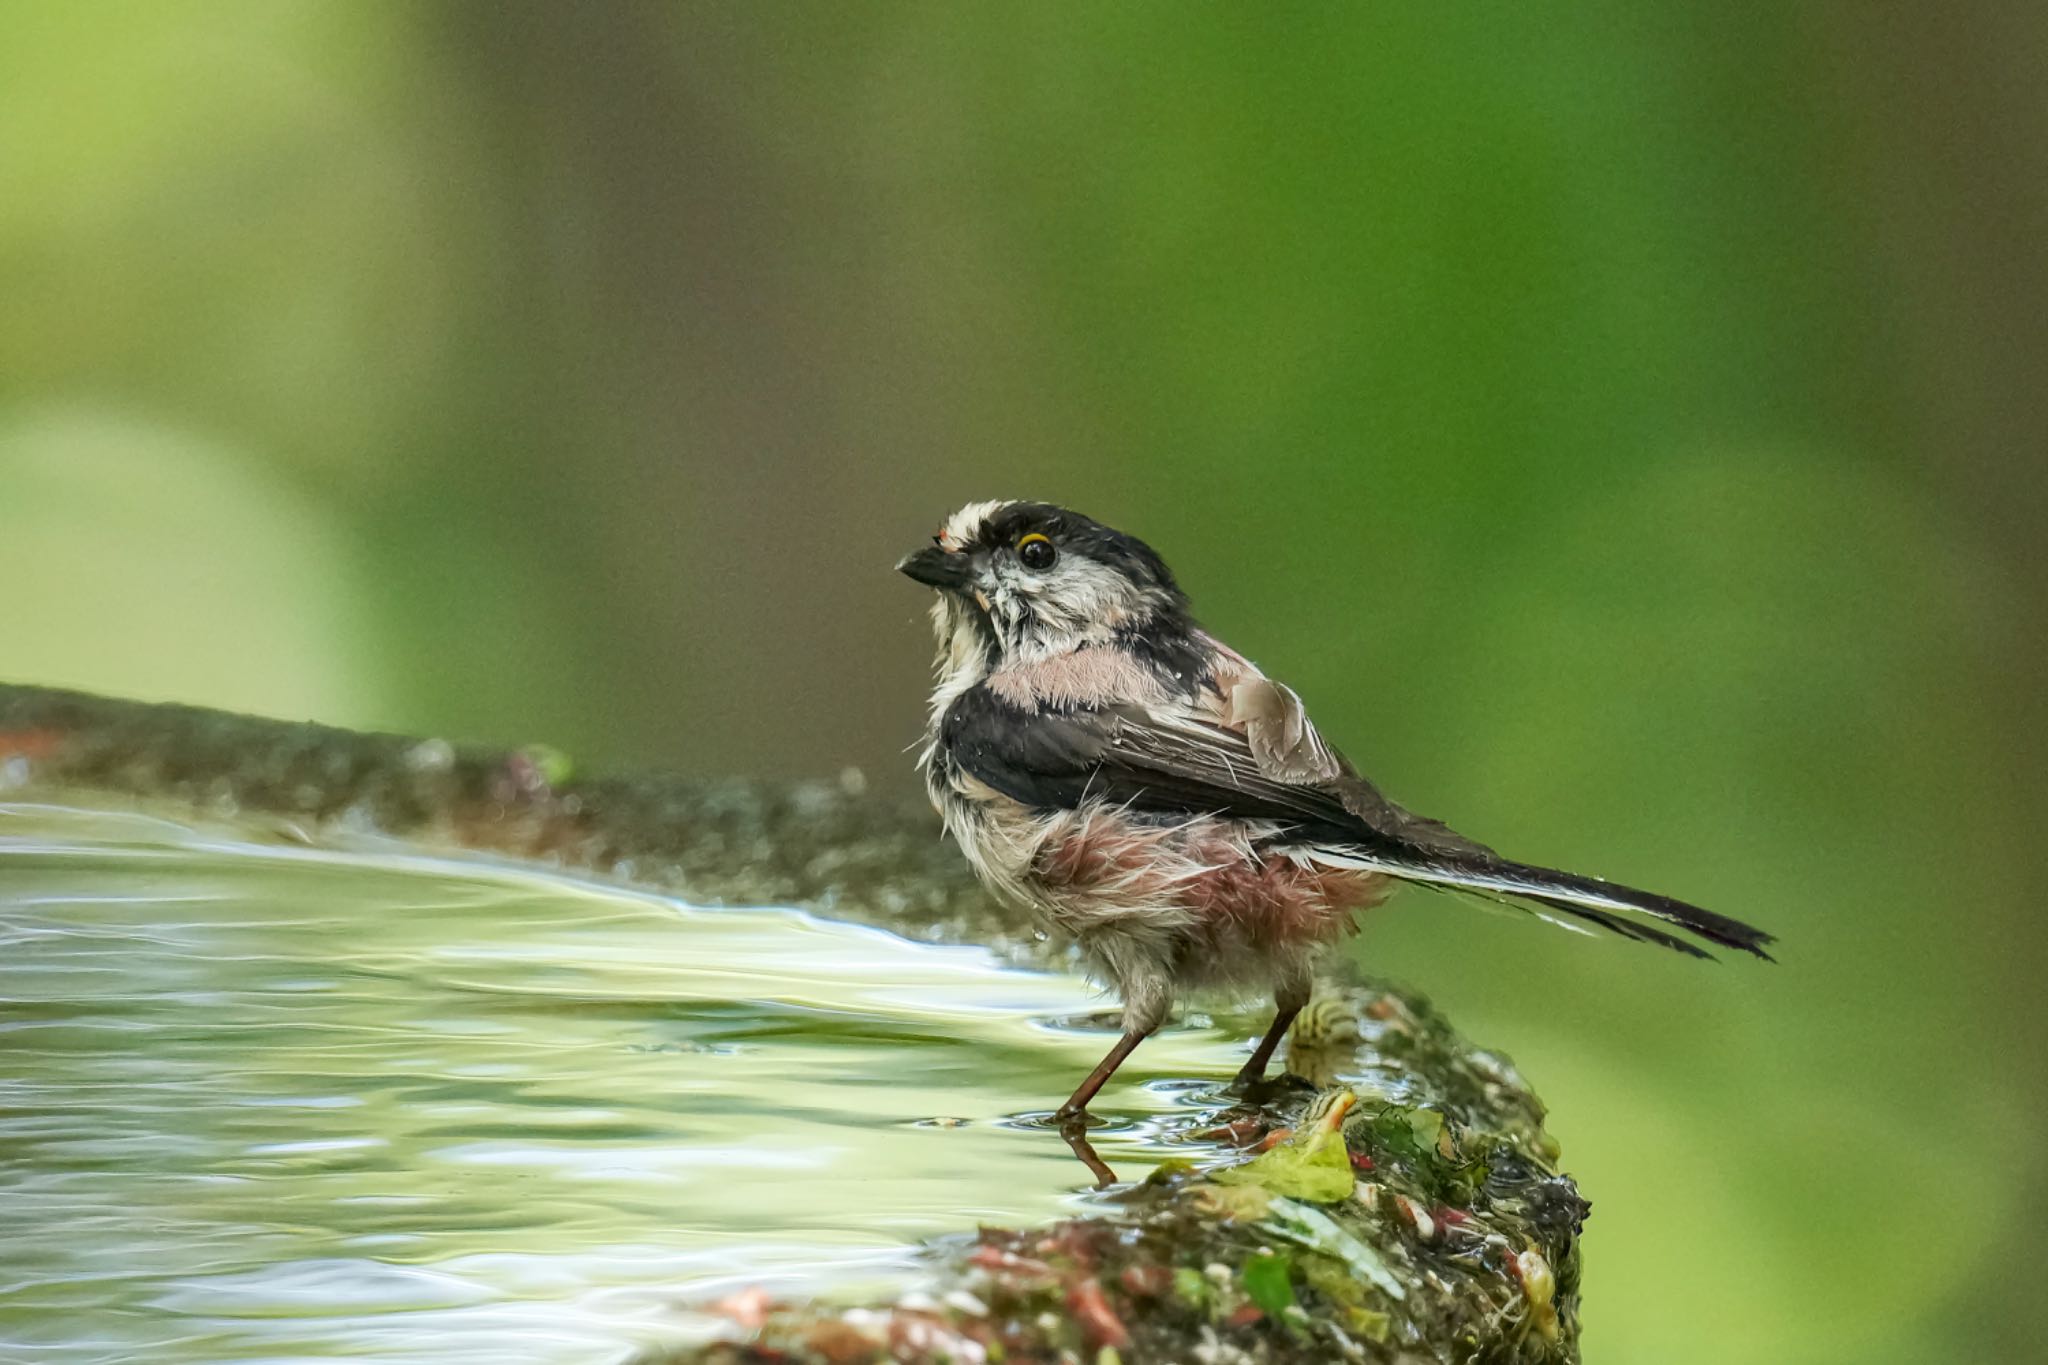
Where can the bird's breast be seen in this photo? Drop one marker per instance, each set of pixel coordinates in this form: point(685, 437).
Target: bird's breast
point(1098, 675)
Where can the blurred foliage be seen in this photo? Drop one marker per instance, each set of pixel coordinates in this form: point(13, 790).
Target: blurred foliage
point(1623, 423)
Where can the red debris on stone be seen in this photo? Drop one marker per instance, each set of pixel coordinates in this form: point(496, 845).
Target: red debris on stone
point(1146, 1281)
point(1090, 1307)
point(749, 1308)
point(29, 744)
point(996, 1261)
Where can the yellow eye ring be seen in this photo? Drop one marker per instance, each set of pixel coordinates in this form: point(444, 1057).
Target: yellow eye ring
point(1036, 551)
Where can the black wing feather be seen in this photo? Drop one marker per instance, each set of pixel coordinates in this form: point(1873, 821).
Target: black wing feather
point(1123, 756)
point(1182, 766)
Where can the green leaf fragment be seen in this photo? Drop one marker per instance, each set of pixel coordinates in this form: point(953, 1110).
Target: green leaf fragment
point(1269, 1281)
point(1346, 1291)
point(1316, 1230)
point(1415, 1135)
point(1317, 1171)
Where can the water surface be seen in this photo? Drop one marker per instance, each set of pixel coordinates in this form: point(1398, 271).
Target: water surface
point(275, 1104)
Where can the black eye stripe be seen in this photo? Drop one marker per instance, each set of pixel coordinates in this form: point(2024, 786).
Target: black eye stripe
point(1012, 523)
point(1074, 534)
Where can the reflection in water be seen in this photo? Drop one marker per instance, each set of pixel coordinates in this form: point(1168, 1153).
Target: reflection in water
point(277, 1103)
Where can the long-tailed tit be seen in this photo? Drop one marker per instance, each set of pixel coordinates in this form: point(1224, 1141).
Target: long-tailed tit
point(1146, 790)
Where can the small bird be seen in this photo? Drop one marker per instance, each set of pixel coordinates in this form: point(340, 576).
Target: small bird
point(1148, 792)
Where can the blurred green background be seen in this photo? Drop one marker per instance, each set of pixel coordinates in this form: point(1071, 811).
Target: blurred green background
point(1624, 424)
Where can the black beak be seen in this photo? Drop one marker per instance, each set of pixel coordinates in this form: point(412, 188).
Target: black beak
point(936, 568)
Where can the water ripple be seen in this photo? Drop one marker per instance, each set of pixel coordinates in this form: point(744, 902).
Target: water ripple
point(269, 1102)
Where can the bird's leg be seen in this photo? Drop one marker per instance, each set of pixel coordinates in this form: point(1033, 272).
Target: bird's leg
point(1148, 997)
point(1255, 1070)
point(1288, 998)
point(1077, 1103)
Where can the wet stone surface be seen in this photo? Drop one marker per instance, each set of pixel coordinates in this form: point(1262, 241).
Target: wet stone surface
point(1408, 1210)
point(1394, 1198)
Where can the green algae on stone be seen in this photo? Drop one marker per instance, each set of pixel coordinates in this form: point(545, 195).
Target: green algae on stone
point(1448, 1164)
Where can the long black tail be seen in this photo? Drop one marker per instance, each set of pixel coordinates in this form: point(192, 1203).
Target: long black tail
point(1606, 905)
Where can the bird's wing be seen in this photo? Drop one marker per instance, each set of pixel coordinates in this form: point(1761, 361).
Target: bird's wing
point(1176, 761)
point(1287, 747)
point(1282, 739)
point(1284, 743)
point(1168, 760)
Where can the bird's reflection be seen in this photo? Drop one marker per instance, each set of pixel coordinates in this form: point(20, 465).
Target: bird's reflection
point(1075, 1131)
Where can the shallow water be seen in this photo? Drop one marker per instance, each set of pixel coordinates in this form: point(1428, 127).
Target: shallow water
point(276, 1104)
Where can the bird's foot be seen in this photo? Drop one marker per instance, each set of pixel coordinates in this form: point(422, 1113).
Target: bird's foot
point(1249, 1087)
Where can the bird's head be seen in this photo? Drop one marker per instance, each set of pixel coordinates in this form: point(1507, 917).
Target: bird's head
point(1020, 581)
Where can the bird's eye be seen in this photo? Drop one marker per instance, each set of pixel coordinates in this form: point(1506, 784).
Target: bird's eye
point(1036, 552)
